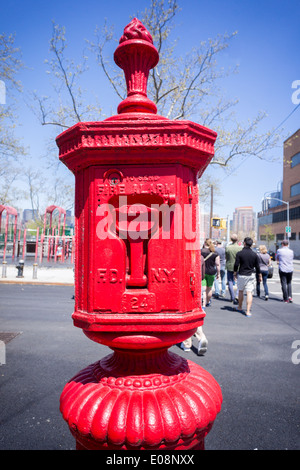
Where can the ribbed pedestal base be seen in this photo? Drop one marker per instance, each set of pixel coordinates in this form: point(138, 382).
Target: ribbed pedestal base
point(133, 400)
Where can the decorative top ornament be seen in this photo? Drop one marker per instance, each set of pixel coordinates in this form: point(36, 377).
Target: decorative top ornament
point(136, 55)
point(136, 30)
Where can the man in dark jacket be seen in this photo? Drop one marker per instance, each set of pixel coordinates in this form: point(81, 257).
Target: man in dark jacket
point(246, 263)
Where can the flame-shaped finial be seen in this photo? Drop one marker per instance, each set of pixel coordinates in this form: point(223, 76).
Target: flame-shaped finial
point(136, 30)
point(136, 55)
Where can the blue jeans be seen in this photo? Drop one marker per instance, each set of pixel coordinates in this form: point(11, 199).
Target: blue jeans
point(230, 281)
point(223, 284)
point(264, 280)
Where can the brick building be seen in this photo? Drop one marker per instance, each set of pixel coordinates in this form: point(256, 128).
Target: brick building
point(273, 219)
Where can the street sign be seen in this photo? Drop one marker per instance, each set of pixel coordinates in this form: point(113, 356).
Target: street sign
point(288, 229)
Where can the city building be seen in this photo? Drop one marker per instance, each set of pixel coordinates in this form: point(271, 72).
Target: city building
point(280, 215)
point(69, 219)
point(29, 214)
point(244, 222)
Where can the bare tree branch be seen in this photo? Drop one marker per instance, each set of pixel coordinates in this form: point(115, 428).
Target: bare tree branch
point(98, 49)
point(11, 148)
point(69, 106)
point(183, 87)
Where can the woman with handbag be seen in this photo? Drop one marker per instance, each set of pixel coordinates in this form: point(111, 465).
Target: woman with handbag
point(212, 270)
point(210, 261)
point(264, 263)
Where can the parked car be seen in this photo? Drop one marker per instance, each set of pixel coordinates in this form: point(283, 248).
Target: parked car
point(272, 254)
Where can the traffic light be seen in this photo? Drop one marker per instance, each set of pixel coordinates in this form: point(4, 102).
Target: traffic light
point(216, 222)
point(223, 224)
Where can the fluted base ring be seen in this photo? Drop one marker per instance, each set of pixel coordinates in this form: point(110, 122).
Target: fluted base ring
point(141, 401)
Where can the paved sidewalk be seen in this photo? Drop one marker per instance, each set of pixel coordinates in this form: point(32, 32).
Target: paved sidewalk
point(53, 275)
point(59, 274)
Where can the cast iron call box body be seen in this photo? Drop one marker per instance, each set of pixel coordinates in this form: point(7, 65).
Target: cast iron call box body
point(136, 223)
point(137, 269)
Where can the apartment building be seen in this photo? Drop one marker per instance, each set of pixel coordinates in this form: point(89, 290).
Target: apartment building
point(244, 221)
point(280, 215)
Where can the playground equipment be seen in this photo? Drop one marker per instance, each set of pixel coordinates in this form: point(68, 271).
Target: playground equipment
point(52, 242)
point(9, 211)
point(56, 247)
point(61, 211)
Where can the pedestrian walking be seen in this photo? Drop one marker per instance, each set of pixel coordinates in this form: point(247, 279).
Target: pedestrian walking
point(221, 252)
point(230, 254)
point(264, 263)
point(284, 257)
point(212, 270)
point(202, 340)
point(246, 263)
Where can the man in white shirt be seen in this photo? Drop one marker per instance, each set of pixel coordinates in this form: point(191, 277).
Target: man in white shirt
point(284, 257)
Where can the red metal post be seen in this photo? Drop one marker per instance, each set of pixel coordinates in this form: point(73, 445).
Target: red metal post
point(42, 245)
point(138, 270)
point(56, 241)
point(24, 244)
point(9, 211)
point(5, 236)
point(63, 243)
point(73, 250)
point(15, 237)
point(52, 242)
point(36, 244)
point(49, 246)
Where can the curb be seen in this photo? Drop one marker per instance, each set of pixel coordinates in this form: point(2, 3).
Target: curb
point(41, 283)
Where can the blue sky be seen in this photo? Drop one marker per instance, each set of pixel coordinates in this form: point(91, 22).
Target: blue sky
point(266, 49)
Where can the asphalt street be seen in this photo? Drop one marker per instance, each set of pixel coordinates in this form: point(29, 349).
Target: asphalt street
point(275, 287)
point(255, 360)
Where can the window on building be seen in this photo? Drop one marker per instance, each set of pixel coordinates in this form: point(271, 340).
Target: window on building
point(282, 236)
point(295, 213)
point(279, 216)
point(295, 160)
point(295, 189)
point(265, 219)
